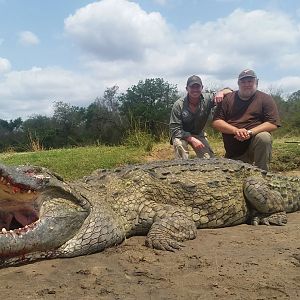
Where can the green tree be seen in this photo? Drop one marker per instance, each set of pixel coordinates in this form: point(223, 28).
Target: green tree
point(11, 135)
point(40, 130)
point(289, 111)
point(103, 120)
point(70, 124)
point(110, 99)
point(148, 104)
point(294, 111)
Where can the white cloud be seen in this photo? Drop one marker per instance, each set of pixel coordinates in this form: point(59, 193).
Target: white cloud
point(116, 30)
point(288, 84)
point(243, 39)
point(121, 44)
point(4, 65)
point(28, 38)
point(34, 91)
point(120, 30)
point(290, 61)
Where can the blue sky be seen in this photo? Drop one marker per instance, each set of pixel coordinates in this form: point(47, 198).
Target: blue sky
point(72, 50)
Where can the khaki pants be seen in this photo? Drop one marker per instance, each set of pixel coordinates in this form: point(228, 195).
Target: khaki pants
point(181, 148)
point(259, 152)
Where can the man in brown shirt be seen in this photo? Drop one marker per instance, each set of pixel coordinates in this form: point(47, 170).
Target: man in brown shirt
point(246, 117)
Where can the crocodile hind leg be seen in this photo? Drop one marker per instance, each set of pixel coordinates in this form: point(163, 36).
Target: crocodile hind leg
point(167, 233)
point(269, 204)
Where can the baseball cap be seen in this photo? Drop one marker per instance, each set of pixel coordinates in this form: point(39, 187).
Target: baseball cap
point(194, 79)
point(247, 73)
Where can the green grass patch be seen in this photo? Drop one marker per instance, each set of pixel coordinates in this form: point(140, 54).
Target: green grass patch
point(75, 163)
point(285, 154)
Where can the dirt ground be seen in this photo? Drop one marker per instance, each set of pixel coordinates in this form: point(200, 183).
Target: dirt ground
point(241, 262)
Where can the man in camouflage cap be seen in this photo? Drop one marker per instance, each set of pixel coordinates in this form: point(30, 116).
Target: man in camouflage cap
point(188, 118)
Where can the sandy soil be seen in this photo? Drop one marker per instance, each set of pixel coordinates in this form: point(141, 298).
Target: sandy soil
point(242, 262)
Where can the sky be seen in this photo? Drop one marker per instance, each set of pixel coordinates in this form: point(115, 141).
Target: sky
point(73, 50)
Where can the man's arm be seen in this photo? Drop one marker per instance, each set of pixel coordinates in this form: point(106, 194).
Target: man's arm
point(220, 94)
point(223, 126)
point(242, 134)
point(195, 143)
point(175, 124)
point(266, 126)
point(177, 131)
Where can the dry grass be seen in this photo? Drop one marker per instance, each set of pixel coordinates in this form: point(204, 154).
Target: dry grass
point(286, 156)
point(34, 143)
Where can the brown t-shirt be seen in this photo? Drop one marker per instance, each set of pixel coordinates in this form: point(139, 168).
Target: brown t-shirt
point(247, 114)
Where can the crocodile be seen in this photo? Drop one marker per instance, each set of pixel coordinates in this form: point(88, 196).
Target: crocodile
point(42, 216)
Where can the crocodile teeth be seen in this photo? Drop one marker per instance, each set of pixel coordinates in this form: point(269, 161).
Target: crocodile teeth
point(12, 234)
point(29, 191)
point(39, 176)
point(4, 230)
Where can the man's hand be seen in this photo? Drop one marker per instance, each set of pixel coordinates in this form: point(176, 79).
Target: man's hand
point(195, 143)
point(220, 95)
point(242, 134)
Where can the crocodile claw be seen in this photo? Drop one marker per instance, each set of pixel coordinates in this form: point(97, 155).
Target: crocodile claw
point(279, 219)
point(163, 244)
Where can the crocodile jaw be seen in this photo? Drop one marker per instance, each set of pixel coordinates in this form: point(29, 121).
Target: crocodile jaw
point(37, 213)
point(18, 206)
point(58, 221)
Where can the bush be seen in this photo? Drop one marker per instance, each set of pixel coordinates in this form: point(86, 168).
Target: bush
point(139, 138)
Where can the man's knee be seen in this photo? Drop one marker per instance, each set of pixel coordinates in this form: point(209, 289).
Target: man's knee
point(263, 138)
point(205, 152)
point(180, 148)
point(262, 150)
point(180, 143)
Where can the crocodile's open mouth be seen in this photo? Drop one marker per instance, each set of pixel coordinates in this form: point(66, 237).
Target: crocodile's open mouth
point(38, 213)
point(18, 205)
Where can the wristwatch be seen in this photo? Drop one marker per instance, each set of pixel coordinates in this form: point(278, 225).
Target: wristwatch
point(250, 132)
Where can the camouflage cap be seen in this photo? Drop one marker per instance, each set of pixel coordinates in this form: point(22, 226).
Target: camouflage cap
point(247, 73)
point(194, 79)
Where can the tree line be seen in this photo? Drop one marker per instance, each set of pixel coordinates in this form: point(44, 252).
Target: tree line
point(115, 118)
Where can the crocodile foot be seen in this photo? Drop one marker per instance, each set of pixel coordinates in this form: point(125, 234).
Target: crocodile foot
point(166, 244)
point(167, 233)
point(279, 218)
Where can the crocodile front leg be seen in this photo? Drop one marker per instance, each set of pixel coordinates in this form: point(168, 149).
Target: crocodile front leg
point(169, 229)
point(269, 204)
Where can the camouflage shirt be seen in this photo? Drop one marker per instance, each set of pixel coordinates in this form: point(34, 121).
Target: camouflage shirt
point(184, 122)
